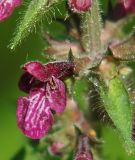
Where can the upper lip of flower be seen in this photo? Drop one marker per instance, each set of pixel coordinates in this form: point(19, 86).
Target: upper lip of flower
point(36, 73)
point(59, 69)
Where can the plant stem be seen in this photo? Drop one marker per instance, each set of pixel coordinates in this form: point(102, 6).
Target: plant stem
point(91, 30)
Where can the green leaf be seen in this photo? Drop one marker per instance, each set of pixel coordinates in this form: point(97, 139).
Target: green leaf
point(34, 13)
point(119, 108)
point(19, 155)
point(80, 91)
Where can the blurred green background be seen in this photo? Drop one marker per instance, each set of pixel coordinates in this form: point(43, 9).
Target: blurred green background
point(11, 139)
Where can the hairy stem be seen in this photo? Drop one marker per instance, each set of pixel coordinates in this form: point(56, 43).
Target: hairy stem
point(91, 30)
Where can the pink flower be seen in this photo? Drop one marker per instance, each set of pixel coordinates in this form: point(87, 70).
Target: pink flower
point(129, 5)
point(123, 8)
point(56, 148)
point(7, 7)
point(46, 94)
point(80, 6)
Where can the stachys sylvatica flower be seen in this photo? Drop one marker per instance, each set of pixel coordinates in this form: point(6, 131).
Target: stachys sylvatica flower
point(80, 6)
point(123, 8)
point(47, 94)
point(7, 7)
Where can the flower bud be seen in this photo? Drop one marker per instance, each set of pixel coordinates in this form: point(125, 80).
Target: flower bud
point(83, 149)
point(79, 6)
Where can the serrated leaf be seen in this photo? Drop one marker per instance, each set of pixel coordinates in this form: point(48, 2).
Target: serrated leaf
point(34, 13)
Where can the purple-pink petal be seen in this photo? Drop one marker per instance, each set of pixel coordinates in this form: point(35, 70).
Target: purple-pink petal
point(129, 5)
point(23, 104)
point(60, 70)
point(36, 69)
point(27, 82)
point(123, 8)
point(17, 2)
point(33, 114)
point(56, 95)
point(7, 7)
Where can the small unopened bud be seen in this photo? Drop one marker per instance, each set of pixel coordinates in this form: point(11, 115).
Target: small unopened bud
point(80, 6)
point(83, 149)
point(55, 148)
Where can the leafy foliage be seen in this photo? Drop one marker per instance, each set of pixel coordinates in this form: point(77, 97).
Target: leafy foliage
point(35, 12)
